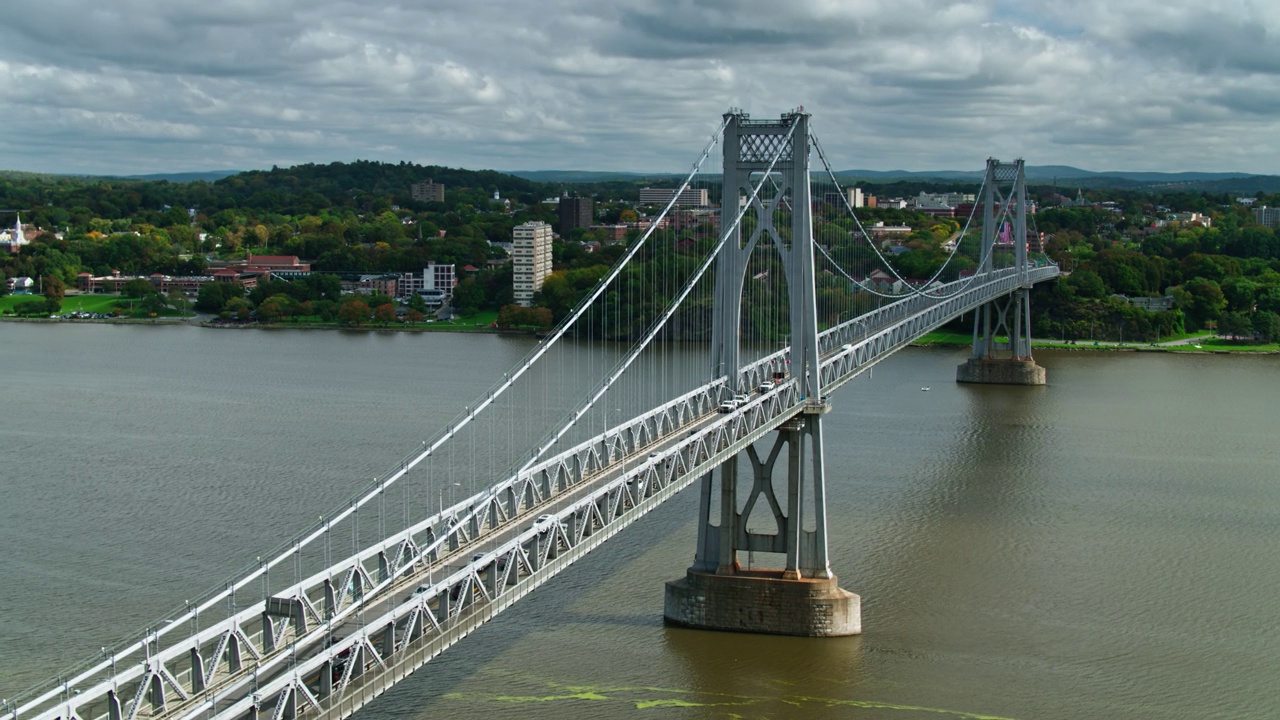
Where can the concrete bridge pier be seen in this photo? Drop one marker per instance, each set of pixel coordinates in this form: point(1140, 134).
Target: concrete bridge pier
point(802, 597)
point(1008, 362)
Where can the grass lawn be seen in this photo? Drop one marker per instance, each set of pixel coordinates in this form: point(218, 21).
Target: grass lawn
point(70, 303)
point(945, 337)
point(9, 302)
point(82, 303)
point(1237, 346)
point(92, 303)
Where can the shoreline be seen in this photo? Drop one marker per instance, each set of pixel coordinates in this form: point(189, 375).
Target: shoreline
point(195, 321)
point(215, 325)
point(1166, 349)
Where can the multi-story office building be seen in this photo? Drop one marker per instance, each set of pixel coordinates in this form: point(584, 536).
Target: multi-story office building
point(575, 212)
point(661, 196)
point(427, 191)
point(531, 259)
point(435, 284)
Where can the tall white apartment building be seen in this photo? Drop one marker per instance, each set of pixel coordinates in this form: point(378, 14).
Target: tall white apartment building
point(530, 258)
point(1268, 216)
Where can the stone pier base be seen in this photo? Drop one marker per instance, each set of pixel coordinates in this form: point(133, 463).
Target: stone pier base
point(1000, 372)
point(761, 601)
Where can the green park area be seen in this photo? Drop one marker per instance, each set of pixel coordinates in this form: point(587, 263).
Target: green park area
point(130, 307)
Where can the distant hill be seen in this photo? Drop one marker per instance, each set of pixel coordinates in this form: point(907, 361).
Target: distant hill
point(1064, 176)
point(1068, 176)
point(208, 176)
point(585, 176)
point(310, 187)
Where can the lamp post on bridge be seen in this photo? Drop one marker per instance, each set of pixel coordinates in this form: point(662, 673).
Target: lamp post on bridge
point(451, 495)
point(622, 441)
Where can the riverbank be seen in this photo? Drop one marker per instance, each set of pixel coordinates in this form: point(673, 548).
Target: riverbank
point(1204, 344)
point(1207, 344)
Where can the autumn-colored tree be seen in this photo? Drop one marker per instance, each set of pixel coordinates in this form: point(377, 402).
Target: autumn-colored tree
point(509, 316)
point(53, 289)
point(413, 316)
point(385, 313)
point(515, 316)
point(541, 317)
point(353, 312)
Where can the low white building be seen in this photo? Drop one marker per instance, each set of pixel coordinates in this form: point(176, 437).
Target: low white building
point(21, 283)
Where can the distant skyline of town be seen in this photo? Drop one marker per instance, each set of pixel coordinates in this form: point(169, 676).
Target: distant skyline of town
point(142, 87)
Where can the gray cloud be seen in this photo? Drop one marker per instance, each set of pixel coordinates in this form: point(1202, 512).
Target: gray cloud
point(152, 85)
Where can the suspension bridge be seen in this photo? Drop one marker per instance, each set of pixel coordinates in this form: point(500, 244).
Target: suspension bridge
point(771, 276)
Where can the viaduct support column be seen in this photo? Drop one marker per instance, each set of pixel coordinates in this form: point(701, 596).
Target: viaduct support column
point(1007, 361)
point(717, 593)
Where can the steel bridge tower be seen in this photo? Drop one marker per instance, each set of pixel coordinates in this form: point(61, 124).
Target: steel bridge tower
point(717, 592)
point(1004, 218)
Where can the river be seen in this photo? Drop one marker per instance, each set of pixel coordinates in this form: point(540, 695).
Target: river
point(1103, 547)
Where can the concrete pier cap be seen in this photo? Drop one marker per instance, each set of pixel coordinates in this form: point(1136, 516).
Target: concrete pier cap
point(992, 371)
point(762, 601)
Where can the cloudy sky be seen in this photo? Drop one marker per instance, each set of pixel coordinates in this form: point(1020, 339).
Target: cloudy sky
point(136, 86)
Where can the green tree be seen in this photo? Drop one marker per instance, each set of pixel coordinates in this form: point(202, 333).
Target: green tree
point(32, 308)
point(139, 288)
point(1235, 324)
point(1267, 326)
point(326, 309)
point(1084, 284)
point(213, 296)
point(468, 296)
point(1206, 301)
point(273, 308)
point(238, 308)
point(177, 299)
point(324, 287)
point(153, 304)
